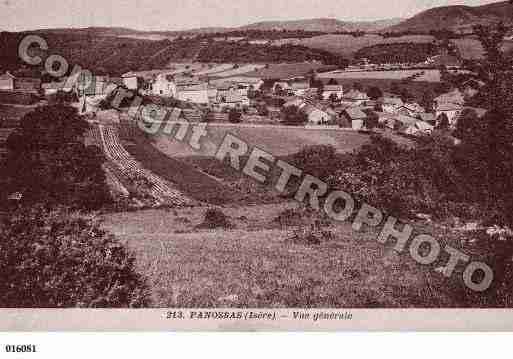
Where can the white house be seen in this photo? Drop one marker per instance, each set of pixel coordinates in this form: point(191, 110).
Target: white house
point(356, 117)
point(130, 80)
point(164, 85)
point(299, 88)
point(7, 82)
point(410, 109)
point(196, 93)
point(391, 104)
point(53, 87)
point(451, 110)
point(329, 90)
point(315, 115)
point(355, 97)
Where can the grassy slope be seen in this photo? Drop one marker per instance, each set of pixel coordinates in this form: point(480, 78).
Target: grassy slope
point(278, 140)
point(187, 179)
point(347, 45)
point(191, 268)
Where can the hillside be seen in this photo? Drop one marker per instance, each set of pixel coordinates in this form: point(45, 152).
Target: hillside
point(456, 18)
point(323, 25)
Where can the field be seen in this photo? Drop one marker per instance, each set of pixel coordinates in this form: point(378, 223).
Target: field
point(424, 75)
point(348, 45)
point(277, 140)
point(254, 265)
point(287, 71)
point(471, 48)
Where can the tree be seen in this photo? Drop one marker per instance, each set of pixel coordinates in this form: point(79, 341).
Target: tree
point(234, 116)
point(442, 122)
point(372, 120)
point(374, 93)
point(292, 115)
point(48, 162)
point(496, 71)
point(59, 259)
point(333, 97)
point(427, 101)
point(332, 82)
point(358, 86)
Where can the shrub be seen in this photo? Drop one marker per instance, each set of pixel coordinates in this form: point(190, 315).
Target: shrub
point(234, 116)
point(319, 161)
point(215, 218)
point(56, 258)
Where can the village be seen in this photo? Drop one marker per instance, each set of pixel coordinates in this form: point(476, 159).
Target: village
point(302, 94)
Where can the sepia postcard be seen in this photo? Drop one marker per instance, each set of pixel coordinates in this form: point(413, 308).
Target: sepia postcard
point(278, 165)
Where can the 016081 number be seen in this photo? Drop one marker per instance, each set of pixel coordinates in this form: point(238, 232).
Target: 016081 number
point(20, 348)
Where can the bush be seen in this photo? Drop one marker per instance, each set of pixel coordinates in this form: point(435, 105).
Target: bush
point(319, 161)
point(215, 218)
point(57, 259)
point(234, 116)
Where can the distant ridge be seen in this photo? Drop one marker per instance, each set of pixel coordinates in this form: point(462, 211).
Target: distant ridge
point(457, 18)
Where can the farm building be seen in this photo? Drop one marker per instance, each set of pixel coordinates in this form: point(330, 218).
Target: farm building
point(164, 86)
point(7, 82)
point(391, 104)
point(427, 117)
point(412, 126)
point(27, 84)
point(329, 90)
point(52, 88)
point(356, 117)
point(315, 115)
point(410, 109)
point(355, 97)
point(299, 88)
point(233, 99)
point(196, 93)
point(454, 96)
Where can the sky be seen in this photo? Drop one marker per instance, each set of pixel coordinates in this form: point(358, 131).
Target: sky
point(17, 15)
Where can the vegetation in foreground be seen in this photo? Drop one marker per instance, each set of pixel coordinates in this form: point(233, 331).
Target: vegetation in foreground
point(53, 254)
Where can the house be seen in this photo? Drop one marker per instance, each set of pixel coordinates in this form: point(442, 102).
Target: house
point(131, 80)
point(223, 89)
point(164, 85)
point(196, 93)
point(410, 109)
point(391, 104)
point(96, 86)
point(247, 83)
point(233, 99)
point(7, 82)
point(446, 60)
point(212, 93)
point(356, 97)
point(296, 101)
point(455, 97)
point(427, 117)
point(280, 86)
point(53, 87)
point(412, 126)
point(315, 115)
point(356, 117)
point(27, 84)
point(329, 90)
point(299, 88)
point(451, 110)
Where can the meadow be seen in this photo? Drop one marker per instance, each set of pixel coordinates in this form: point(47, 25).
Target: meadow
point(277, 140)
point(423, 75)
point(254, 264)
